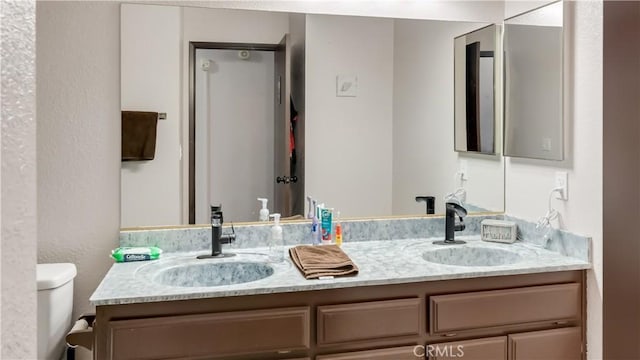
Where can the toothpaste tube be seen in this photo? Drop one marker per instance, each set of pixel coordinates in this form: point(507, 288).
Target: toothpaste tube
point(126, 254)
point(326, 219)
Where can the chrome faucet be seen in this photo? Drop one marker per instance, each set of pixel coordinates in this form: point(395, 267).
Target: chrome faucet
point(454, 213)
point(217, 237)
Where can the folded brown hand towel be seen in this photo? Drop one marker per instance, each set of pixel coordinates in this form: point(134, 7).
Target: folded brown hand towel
point(139, 135)
point(325, 260)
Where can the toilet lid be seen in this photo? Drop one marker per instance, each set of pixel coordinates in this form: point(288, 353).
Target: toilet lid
point(51, 276)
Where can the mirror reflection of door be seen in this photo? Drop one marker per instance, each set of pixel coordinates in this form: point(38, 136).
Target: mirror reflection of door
point(472, 67)
point(479, 98)
point(236, 119)
point(474, 100)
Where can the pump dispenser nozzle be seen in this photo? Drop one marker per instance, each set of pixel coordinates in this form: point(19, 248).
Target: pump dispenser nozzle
point(264, 212)
point(276, 219)
point(276, 245)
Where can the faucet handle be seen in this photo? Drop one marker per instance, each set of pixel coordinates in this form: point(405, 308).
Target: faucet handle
point(458, 209)
point(231, 237)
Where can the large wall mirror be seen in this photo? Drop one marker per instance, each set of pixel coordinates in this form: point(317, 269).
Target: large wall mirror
point(533, 84)
point(476, 73)
point(357, 112)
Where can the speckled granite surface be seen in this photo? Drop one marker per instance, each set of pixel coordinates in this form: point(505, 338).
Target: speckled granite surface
point(380, 262)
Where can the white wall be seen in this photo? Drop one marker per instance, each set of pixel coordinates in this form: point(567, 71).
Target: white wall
point(235, 122)
point(528, 182)
point(348, 142)
point(78, 105)
point(18, 329)
point(150, 81)
point(424, 162)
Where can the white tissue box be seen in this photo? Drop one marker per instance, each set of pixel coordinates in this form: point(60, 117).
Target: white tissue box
point(498, 231)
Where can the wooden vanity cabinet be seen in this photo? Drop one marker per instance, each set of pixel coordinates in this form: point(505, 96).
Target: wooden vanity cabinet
point(503, 317)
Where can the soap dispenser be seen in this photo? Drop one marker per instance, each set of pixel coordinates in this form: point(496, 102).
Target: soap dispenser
point(276, 243)
point(264, 212)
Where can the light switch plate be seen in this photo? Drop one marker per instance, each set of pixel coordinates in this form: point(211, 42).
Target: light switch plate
point(347, 85)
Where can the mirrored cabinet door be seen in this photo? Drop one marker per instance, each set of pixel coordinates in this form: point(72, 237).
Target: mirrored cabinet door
point(533, 84)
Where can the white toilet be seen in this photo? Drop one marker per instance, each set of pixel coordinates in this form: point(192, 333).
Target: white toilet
point(55, 304)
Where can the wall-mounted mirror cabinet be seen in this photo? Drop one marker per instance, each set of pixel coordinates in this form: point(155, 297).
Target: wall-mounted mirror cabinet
point(533, 84)
point(476, 73)
point(374, 99)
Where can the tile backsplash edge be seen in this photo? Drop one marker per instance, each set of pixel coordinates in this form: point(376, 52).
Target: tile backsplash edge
point(251, 236)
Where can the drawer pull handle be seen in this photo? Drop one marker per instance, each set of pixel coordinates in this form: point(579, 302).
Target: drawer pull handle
point(449, 335)
point(284, 351)
point(560, 322)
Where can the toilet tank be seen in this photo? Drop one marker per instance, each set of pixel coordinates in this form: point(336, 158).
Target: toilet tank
point(55, 307)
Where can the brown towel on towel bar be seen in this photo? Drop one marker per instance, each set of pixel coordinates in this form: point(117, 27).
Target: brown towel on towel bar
point(139, 135)
point(324, 260)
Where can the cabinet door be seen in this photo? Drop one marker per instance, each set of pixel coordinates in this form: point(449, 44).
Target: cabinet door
point(494, 348)
point(217, 335)
point(557, 344)
point(369, 321)
point(484, 309)
point(398, 353)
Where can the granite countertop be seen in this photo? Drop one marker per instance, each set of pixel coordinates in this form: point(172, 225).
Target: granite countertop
point(380, 263)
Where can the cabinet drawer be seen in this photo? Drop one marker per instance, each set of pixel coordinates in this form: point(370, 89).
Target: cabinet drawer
point(397, 353)
point(369, 320)
point(564, 344)
point(483, 309)
point(494, 348)
point(211, 335)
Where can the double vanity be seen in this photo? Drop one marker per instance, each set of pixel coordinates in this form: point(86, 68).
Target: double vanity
point(411, 299)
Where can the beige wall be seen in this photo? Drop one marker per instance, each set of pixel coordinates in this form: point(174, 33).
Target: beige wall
point(18, 182)
point(78, 105)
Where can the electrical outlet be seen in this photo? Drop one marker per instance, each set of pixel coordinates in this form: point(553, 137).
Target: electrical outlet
point(562, 180)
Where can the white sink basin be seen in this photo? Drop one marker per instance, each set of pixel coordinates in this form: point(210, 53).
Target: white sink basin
point(471, 256)
point(206, 274)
